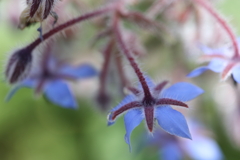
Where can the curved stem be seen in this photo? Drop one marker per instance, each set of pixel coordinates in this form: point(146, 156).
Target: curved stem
point(223, 23)
point(107, 56)
point(124, 49)
point(67, 24)
point(103, 97)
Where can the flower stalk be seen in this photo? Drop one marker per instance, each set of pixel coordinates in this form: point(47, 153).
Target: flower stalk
point(124, 49)
point(70, 23)
point(223, 23)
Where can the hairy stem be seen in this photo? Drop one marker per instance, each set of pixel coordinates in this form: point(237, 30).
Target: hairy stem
point(107, 56)
point(223, 23)
point(124, 49)
point(67, 24)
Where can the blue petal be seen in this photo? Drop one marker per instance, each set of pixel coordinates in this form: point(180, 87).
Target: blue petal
point(209, 51)
point(216, 65)
point(182, 91)
point(149, 81)
point(26, 83)
point(171, 151)
point(198, 71)
point(59, 93)
point(172, 121)
point(82, 71)
point(132, 119)
point(129, 98)
point(236, 74)
point(203, 148)
point(126, 100)
point(52, 61)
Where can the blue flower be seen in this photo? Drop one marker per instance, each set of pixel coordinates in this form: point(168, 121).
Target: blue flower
point(137, 108)
point(50, 78)
point(220, 62)
point(202, 147)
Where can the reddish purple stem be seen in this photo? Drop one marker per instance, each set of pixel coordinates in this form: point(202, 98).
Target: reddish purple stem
point(223, 23)
point(124, 49)
point(63, 26)
point(107, 55)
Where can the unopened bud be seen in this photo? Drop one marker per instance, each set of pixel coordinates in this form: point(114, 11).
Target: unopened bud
point(36, 11)
point(19, 65)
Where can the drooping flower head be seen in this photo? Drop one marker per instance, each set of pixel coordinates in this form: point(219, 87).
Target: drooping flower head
point(220, 62)
point(173, 148)
point(19, 65)
point(50, 78)
point(138, 107)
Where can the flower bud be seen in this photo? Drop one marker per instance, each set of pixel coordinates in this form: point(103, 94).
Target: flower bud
point(36, 11)
point(18, 65)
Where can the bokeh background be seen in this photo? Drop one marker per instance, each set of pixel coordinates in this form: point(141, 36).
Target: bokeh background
point(33, 129)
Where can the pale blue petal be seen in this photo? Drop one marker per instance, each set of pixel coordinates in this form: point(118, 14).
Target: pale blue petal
point(82, 71)
point(236, 74)
point(126, 100)
point(205, 49)
point(52, 62)
point(171, 151)
point(182, 91)
point(203, 148)
point(198, 71)
point(132, 119)
point(216, 65)
point(149, 81)
point(209, 51)
point(172, 121)
point(59, 93)
point(26, 83)
point(110, 122)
